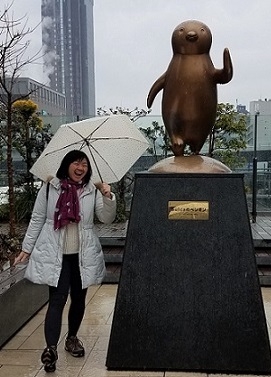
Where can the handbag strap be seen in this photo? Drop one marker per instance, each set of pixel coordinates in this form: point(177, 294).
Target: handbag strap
point(47, 190)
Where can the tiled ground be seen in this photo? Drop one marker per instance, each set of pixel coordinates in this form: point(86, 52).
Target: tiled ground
point(21, 356)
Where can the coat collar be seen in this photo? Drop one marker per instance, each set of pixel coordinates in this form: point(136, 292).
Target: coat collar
point(55, 182)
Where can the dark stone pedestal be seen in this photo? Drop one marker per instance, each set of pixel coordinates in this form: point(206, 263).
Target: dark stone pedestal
point(189, 297)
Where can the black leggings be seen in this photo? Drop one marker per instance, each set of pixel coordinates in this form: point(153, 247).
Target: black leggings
point(69, 281)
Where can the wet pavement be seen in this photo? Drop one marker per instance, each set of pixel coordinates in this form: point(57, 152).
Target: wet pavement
point(21, 355)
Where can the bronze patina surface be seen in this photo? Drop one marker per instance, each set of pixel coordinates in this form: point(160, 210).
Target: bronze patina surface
point(189, 87)
point(189, 164)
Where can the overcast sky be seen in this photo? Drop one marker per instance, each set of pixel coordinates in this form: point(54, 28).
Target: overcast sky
point(133, 45)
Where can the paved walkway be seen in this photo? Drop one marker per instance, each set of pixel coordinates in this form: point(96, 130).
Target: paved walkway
point(21, 356)
point(261, 231)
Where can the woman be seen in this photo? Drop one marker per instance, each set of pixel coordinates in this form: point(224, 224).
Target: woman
point(63, 250)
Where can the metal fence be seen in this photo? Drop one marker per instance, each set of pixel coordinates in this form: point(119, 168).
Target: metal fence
point(263, 187)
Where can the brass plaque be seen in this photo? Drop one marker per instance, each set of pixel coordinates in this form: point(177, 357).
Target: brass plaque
point(188, 210)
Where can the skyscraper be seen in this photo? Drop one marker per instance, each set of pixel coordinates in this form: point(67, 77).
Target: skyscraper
point(68, 45)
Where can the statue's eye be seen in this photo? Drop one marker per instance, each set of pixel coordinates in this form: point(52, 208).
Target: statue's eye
point(181, 29)
point(202, 29)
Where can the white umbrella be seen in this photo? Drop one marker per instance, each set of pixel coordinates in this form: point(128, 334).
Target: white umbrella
point(112, 143)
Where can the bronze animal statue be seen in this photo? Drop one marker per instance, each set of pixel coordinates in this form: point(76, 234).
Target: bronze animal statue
point(189, 86)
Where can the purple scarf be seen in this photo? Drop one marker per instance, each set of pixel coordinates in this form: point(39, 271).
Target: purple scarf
point(67, 206)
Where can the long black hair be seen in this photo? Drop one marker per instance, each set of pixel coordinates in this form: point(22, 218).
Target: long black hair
point(70, 157)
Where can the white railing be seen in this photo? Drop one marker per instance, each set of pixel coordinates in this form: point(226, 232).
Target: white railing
point(4, 193)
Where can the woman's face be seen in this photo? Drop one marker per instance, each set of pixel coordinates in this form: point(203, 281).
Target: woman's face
point(77, 170)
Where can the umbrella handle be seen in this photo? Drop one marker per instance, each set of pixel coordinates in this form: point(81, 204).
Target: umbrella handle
point(104, 188)
point(98, 185)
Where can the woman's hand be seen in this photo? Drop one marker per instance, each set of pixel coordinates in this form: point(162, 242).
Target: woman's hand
point(105, 189)
point(22, 257)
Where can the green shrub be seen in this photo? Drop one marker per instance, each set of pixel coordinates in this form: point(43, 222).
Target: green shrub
point(4, 212)
point(24, 202)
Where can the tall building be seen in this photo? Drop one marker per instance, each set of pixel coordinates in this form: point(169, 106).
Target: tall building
point(259, 127)
point(68, 44)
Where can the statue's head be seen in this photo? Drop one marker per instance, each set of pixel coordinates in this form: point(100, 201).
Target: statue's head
point(191, 37)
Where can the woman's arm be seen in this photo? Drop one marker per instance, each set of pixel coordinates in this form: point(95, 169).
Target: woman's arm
point(105, 204)
point(21, 258)
point(37, 220)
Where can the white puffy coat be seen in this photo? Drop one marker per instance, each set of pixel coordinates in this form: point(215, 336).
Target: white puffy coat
point(45, 244)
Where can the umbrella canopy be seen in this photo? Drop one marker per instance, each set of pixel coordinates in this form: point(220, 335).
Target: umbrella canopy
point(112, 143)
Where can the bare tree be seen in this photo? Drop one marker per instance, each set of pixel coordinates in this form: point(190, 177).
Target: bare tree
point(134, 114)
point(14, 43)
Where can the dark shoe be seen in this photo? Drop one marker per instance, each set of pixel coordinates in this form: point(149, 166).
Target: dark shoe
point(49, 358)
point(74, 346)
